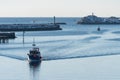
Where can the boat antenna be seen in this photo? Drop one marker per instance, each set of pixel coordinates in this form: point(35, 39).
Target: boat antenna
point(33, 42)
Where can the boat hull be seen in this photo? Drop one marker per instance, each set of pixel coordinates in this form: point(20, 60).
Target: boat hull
point(34, 58)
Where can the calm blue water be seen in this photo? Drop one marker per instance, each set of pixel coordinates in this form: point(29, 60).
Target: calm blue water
point(74, 41)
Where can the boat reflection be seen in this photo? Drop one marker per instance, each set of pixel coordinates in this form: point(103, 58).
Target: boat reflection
point(35, 64)
point(34, 70)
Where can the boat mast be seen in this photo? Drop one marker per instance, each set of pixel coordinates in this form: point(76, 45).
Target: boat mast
point(33, 42)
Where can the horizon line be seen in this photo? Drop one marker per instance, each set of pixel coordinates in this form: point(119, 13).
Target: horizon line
point(50, 16)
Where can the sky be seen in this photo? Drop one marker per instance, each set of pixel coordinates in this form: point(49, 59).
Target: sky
point(59, 8)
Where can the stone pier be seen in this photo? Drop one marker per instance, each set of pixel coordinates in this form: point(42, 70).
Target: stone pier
point(4, 37)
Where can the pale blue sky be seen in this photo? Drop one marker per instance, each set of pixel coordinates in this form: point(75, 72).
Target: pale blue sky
point(60, 8)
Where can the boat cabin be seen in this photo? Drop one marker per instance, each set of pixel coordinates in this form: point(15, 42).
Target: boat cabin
point(35, 51)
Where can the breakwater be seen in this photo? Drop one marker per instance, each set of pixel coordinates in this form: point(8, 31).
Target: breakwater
point(29, 27)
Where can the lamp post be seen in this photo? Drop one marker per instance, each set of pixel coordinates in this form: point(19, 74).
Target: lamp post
point(54, 20)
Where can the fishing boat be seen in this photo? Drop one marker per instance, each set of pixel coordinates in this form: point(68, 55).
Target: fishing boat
point(34, 54)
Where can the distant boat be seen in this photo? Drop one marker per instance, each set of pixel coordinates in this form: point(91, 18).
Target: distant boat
point(98, 29)
point(93, 19)
point(34, 54)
